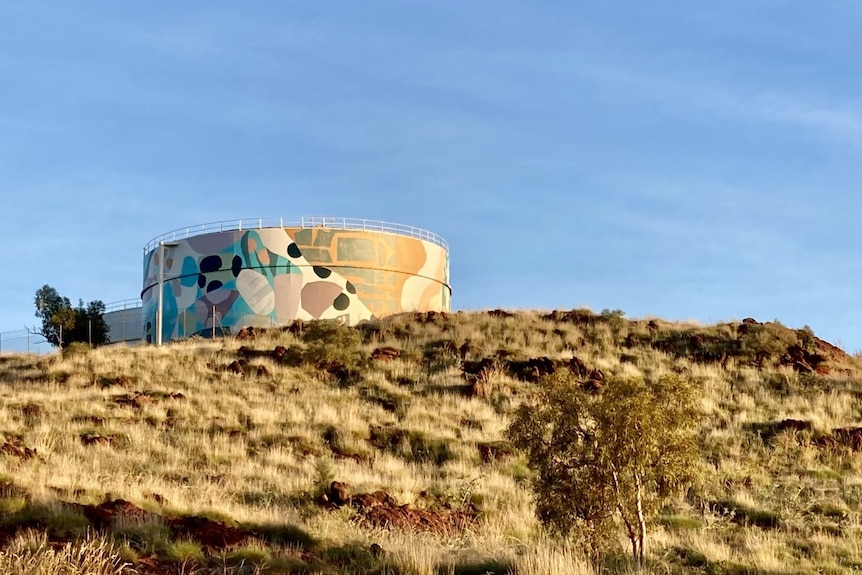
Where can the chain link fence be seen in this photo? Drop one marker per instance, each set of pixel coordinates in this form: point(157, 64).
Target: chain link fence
point(123, 319)
point(24, 341)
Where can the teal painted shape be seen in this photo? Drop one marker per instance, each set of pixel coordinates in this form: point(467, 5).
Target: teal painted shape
point(169, 306)
point(189, 272)
point(238, 310)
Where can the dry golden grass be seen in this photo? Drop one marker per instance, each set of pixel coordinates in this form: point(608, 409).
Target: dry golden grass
point(255, 449)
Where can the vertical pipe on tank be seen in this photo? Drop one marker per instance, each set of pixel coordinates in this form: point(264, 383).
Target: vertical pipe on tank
point(159, 308)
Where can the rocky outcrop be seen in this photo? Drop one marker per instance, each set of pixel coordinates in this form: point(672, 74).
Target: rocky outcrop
point(380, 510)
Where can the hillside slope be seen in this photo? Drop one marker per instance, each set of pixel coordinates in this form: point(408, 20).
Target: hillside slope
point(220, 456)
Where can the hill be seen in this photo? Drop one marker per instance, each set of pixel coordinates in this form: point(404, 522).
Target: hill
point(380, 449)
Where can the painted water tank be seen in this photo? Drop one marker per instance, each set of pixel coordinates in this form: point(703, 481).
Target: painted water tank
point(265, 272)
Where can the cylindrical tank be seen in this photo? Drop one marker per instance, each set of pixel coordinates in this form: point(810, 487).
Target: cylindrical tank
point(123, 319)
point(221, 277)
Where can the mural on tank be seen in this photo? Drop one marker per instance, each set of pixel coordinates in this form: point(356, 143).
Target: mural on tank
point(272, 276)
point(391, 273)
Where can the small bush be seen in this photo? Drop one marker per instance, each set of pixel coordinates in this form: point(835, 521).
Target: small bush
point(352, 558)
point(183, 551)
point(143, 536)
point(106, 437)
point(335, 438)
point(430, 450)
point(76, 349)
point(391, 402)
point(744, 515)
point(413, 446)
point(332, 348)
point(283, 534)
point(66, 522)
point(246, 556)
point(324, 471)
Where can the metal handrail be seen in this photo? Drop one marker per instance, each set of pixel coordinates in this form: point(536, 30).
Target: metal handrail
point(132, 303)
point(305, 222)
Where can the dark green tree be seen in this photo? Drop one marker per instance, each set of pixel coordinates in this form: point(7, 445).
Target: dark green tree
point(90, 323)
point(85, 323)
point(55, 312)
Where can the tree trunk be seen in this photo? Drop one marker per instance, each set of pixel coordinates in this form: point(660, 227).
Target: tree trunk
point(634, 536)
point(641, 522)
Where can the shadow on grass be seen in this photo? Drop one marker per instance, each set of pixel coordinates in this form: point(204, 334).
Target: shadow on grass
point(485, 567)
point(748, 516)
point(684, 560)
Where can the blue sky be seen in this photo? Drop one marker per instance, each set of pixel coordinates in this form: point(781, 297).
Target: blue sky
point(688, 160)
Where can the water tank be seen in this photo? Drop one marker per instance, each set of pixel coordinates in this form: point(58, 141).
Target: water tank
point(264, 272)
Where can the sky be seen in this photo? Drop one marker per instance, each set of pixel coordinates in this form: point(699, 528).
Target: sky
point(686, 160)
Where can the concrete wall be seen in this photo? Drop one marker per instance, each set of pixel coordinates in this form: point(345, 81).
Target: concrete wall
point(272, 276)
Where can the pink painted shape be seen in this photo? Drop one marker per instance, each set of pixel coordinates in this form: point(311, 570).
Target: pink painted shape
point(288, 292)
point(317, 297)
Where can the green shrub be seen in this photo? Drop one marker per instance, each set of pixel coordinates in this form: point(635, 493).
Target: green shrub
point(66, 522)
point(143, 536)
point(352, 558)
point(412, 446)
point(283, 534)
point(183, 551)
point(246, 556)
point(335, 438)
point(76, 348)
point(763, 344)
point(430, 450)
point(389, 401)
point(332, 348)
point(745, 515)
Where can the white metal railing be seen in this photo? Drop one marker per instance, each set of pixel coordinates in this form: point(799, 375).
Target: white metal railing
point(305, 222)
point(132, 303)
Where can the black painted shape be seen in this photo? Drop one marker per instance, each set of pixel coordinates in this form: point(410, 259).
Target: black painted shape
point(236, 266)
point(213, 285)
point(350, 288)
point(202, 281)
point(322, 273)
point(293, 251)
point(342, 302)
point(210, 264)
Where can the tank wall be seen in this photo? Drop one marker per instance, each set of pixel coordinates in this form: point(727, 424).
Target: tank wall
point(125, 325)
point(272, 276)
